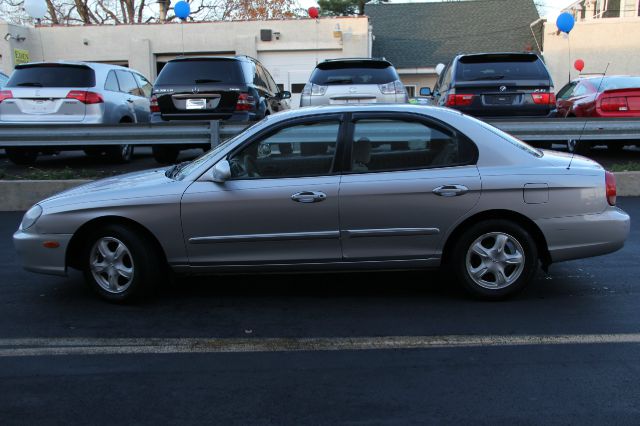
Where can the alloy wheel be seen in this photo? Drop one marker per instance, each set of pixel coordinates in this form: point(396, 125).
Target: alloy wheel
point(495, 260)
point(111, 265)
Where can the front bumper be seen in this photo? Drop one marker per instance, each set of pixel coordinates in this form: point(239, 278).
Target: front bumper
point(576, 237)
point(37, 258)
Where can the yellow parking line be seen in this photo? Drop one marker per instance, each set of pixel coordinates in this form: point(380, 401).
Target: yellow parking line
point(22, 347)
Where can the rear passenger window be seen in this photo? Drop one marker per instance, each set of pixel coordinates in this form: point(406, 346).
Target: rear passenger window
point(389, 145)
point(112, 82)
point(144, 85)
point(128, 83)
point(296, 151)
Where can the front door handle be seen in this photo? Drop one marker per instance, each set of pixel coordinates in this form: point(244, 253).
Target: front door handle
point(450, 190)
point(309, 197)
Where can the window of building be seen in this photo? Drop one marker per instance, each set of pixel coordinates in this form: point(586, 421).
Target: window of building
point(295, 151)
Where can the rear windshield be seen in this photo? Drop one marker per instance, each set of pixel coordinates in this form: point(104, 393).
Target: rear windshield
point(201, 71)
point(613, 83)
point(501, 67)
point(365, 72)
point(52, 75)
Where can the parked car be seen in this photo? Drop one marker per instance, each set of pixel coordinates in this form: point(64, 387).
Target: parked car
point(235, 88)
point(74, 93)
point(3, 79)
point(496, 85)
point(359, 80)
point(600, 96)
point(336, 188)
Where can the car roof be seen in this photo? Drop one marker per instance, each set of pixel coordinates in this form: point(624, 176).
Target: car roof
point(95, 65)
point(200, 58)
point(336, 109)
point(336, 63)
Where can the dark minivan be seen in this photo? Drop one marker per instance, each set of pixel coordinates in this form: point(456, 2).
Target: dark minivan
point(235, 88)
point(496, 85)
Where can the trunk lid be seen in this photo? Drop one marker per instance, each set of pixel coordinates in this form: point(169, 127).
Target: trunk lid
point(38, 104)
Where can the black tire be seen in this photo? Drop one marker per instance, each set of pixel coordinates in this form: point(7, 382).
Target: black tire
point(165, 154)
point(483, 232)
point(140, 255)
point(120, 153)
point(22, 156)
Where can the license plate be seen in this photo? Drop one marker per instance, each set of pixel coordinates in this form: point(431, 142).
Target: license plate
point(196, 104)
point(39, 106)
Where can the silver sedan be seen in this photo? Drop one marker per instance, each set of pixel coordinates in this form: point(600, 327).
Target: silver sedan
point(336, 188)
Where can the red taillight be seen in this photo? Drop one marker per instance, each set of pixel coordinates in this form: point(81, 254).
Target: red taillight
point(614, 104)
point(246, 102)
point(85, 97)
point(459, 100)
point(5, 94)
point(610, 182)
point(153, 104)
point(544, 98)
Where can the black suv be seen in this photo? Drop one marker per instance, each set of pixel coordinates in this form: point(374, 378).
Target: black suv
point(236, 88)
point(496, 85)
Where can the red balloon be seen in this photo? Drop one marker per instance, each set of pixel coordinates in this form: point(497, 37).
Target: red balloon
point(314, 12)
point(579, 64)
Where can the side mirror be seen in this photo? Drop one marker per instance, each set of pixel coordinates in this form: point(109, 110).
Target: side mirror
point(425, 91)
point(285, 95)
point(221, 171)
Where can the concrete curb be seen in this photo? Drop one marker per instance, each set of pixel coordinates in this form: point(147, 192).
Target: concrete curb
point(19, 195)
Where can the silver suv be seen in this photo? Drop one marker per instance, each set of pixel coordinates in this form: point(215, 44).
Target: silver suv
point(358, 80)
point(74, 93)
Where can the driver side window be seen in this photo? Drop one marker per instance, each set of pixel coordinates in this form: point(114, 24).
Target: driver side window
point(297, 151)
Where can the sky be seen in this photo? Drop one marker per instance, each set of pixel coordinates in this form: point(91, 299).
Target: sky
point(551, 10)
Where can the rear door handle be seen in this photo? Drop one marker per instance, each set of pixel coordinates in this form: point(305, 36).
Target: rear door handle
point(450, 190)
point(309, 197)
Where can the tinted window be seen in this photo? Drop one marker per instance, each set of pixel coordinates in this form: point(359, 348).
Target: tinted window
point(259, 77)
point(144, 85)
point(296, 151)
point(52, 76)
point(354, 72)
point(201, 71)
point(387, 145)
point(567, 91)
point(112, 82)
point(501, 67)
point(273, 88)
point(128, 83)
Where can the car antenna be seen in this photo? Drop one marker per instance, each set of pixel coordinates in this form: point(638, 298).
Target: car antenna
point(575, 147)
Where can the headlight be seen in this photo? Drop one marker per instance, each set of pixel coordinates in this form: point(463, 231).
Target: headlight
point(31, 216)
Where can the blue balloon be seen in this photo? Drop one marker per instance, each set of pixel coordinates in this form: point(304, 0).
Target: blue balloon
point(182, 9)
point(565, 22)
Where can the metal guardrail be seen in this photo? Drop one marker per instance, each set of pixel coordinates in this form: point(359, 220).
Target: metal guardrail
point(211, 133)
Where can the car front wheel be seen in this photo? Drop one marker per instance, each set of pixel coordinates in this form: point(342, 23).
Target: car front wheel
point(495, 259)
point(120, 265)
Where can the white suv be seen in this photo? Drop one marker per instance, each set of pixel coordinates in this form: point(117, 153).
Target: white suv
point(358, 80)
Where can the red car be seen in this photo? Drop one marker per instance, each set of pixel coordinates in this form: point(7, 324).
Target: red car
point(598, 96)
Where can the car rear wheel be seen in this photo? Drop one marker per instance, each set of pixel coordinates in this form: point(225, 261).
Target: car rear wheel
point(22, 156)
point(165, 154)
point(495, 259)
point(120, 153)
point(120, 264)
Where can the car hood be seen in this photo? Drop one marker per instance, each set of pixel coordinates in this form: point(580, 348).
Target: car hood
point(148, 183)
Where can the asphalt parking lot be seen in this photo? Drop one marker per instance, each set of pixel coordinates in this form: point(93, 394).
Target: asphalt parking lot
point(548, 356)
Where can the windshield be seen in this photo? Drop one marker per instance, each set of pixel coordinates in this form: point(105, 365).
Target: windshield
point(52, 75)
point(350, 73)
point(507, 137)
point(204, 158)
point(200, 71)
point(486, 67)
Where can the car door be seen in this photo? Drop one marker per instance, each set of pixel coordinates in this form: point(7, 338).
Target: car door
point(279, 206)
point(563, 102)
point(410, 179)
point(143, 109)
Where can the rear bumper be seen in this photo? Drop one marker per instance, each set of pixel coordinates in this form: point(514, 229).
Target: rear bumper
point(157, 117)
point(36, 258)
point(577, 237)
